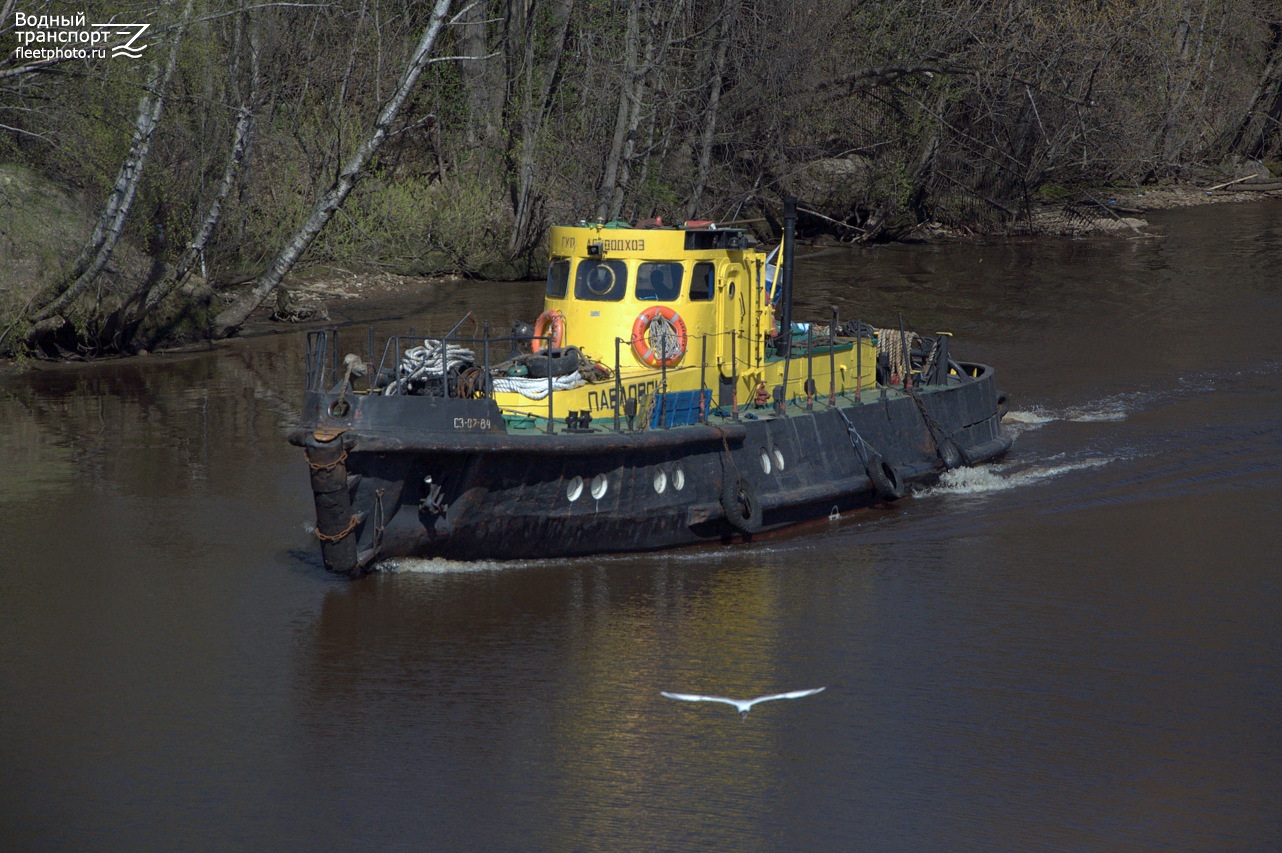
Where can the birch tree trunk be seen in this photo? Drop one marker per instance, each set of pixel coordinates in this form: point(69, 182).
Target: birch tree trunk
point(474, 73)
point(651, 51)
point(136, 311)
point(111, 221)
point(538, 85)
point(711, 112)
point(234, 316)
point(627, 95)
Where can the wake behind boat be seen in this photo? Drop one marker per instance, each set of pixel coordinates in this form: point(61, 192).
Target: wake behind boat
point(665, 397)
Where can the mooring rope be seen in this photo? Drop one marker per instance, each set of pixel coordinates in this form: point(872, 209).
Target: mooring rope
point(891, 343)
point(537, 389)
point(426, 360)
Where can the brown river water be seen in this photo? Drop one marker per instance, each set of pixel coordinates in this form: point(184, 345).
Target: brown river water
point(1076, 648)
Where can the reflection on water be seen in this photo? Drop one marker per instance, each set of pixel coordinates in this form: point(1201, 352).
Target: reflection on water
point(1075, 647)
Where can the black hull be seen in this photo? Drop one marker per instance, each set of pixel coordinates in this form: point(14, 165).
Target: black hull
point(423, 477)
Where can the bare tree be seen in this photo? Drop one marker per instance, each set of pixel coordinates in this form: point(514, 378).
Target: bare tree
point(136, 310)
point(46, 316)
point(234, 316)
point(1257, 129)
point(711, 113)
point(532, 86)
point(474, 73)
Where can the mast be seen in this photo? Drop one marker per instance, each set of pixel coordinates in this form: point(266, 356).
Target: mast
point(784, 343)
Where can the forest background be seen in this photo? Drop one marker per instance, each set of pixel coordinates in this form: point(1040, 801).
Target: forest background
point(164, 195)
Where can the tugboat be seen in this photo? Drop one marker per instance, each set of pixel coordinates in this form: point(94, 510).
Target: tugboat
point(665, 397)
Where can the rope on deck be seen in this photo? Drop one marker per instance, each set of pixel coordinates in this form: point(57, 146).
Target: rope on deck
point(537, 389)
point(890, 343)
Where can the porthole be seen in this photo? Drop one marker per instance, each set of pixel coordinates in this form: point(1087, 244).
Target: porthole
point(600, 485)
point(765, 462)
point(778, 454)
point(574, 489)
point(660, 481)
point(678, 477)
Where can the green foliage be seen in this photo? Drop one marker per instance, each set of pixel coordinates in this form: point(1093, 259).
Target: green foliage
point(960, 110)
point(465, 220)
point(40, 230)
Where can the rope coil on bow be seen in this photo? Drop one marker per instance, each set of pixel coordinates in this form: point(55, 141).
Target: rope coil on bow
point(427, 360)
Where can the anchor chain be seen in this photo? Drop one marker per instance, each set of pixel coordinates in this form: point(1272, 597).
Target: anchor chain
point(951, 459)
point(328, 466)
point(342, 534)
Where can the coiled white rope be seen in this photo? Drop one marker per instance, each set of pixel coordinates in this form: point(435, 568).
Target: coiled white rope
point(425, 360)
point(537, 389)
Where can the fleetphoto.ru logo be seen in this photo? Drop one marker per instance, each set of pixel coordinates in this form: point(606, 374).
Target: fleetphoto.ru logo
point(70, 37)
point(133, 32)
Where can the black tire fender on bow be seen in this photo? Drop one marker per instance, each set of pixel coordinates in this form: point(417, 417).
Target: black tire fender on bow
point(886, 481)
point(950, 454)
point(739, 500)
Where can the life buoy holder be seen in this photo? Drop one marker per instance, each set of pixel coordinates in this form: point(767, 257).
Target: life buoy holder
point(666, 320)
point(554, 319)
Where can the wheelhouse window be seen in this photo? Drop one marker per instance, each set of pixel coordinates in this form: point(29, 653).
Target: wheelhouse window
point(703, 283)
point(559, 278)
point(659, 282)
point(601, 281)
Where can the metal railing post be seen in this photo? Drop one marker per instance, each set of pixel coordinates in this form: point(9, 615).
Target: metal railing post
point(618, 385)
point(333, 353)
point(703, 379)
point(810, 367)
point(832, 359)
point(445, 370)
point(734, 376)
point(663, 377)
point(859, 359)
point(787, 363)
point(485, 378)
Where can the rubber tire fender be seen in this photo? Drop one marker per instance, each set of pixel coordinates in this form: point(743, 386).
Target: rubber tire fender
point(886, 481)
point(561, 361)
point(737, 495)
point(950, 454)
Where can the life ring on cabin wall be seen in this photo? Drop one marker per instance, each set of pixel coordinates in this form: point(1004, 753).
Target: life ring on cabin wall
point(652, 326)
point(556, 320)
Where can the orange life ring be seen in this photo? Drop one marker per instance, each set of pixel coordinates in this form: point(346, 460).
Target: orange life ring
point(557, 321)
point(648, 351)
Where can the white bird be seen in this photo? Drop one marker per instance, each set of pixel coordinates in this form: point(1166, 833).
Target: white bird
point(743, 705)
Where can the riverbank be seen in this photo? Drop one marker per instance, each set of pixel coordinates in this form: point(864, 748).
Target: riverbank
point(344, 296)
point(328, 294)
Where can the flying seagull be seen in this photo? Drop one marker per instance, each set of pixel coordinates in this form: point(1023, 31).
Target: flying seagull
point(743, 705)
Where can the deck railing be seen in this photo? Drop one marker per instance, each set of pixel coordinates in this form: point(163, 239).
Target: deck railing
point(441, 371)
